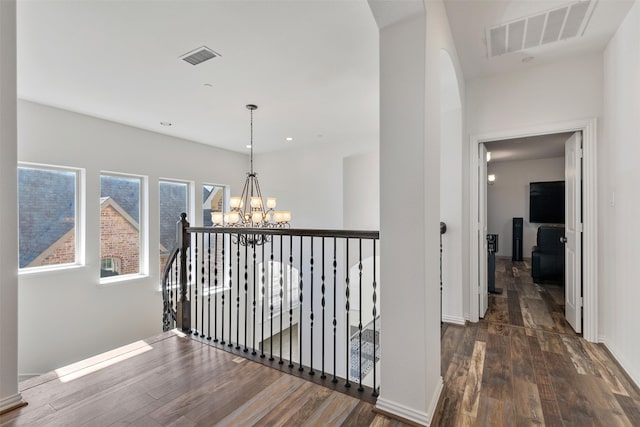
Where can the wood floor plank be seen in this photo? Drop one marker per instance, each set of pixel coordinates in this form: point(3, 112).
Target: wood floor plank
point(550, 342)
point(449, 343)
point(333, 411)
point(520, 356)
point(513, 306)
point(468, 340)
point(496, 375)
point(604, 402)
point(571, 396)
point(471, 394)
point(361, 415)
point(579, 357)
point(631, 407)
point(546, 392)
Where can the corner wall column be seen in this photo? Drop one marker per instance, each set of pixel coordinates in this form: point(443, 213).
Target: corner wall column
point(9, 396)
point(409, 218)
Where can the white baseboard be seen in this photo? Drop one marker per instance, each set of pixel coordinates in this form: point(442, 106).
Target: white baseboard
point(434, 399)
point(11, 402)
point(24, 377)
point(453, 319)
point(410, 414)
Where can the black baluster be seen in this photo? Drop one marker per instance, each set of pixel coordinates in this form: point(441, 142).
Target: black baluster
point(301, 334)
point(322, 375)
point(246, 296)
point(262, 280)
point(348, 352)
point(215, 288)
point(311, 371)
point(230, 343)
point(360, 388)
point(335, 321)
point(280, 362)
point(176, 283)
point(190, 269)
point(375, 389)
point(271, 302)
point(253, 333)
point(238, 293)
point(209, 286)
point(290, 283)
point(202, 282)
point(194, 284)
point(222, 296)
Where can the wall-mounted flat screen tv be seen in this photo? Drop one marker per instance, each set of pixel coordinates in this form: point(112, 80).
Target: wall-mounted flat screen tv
point(546, 202)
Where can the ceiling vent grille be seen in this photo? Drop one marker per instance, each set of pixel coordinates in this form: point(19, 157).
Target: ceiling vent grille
point(199, 55)
point(540, 29)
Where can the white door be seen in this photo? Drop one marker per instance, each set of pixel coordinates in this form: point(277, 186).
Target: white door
point(573, 230)
point(482, 229)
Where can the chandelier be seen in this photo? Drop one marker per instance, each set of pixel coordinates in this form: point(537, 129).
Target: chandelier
point(249, 209)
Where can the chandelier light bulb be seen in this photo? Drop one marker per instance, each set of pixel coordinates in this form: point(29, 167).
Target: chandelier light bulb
point(235, 202)
point(217, 218)
point(256, 202)
point(271, 202)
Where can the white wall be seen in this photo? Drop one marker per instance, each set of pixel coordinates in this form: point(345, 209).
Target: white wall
point(361, 190)
point(619, 204)
point(508, 197)
point(536, 96)
point(9, 396)
point(548, 93)
point(451, 166)
point(66, 315)
point(410, 43)
point(306, 180)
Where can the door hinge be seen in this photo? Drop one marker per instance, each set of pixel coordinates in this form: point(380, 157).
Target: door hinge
point(580, 302)
point(580, 227)
point(580, 153)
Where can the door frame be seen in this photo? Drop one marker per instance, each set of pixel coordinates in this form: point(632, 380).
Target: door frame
point(589, 214)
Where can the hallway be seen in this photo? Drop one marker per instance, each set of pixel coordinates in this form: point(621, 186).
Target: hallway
point(523, 364)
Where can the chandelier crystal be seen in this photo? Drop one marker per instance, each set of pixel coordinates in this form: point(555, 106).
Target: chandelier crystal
point(249, 210)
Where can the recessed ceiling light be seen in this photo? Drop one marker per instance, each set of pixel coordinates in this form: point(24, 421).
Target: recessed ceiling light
point(248, 145)
point(166, 123)
point(527, 59)
point(289, 139)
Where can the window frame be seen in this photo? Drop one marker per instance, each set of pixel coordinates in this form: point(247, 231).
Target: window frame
point(79, 220)
point(143, 229)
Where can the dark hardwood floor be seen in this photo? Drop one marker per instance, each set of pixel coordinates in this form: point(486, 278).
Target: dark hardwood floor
point(521, 365)
point(176, 381)
point(524, 365)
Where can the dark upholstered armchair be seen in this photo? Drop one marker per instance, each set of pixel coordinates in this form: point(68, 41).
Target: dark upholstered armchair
point(547, 257)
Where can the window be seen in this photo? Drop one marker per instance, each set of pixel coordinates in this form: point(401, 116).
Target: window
point(174, 199)
point(212, 201)
point(120, 202)
point(48, 216)
point(109, 267)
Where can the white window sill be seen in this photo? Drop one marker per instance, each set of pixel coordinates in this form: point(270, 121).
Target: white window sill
point(39, 271)
point(114, 280)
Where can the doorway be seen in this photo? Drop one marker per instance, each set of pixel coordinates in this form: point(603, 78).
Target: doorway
point(526, 217)
point(478, 221)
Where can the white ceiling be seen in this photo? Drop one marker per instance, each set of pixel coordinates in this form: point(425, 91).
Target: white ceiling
point(469, 19)
point(310, 66)
point(530, 148)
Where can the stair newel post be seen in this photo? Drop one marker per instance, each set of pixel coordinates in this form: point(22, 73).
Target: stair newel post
point(184, 306)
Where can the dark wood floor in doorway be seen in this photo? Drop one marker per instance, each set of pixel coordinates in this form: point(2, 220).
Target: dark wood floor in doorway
point(524, 365)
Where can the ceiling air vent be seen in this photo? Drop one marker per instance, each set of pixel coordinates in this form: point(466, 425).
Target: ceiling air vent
point(199, 55)
point(554, 25)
